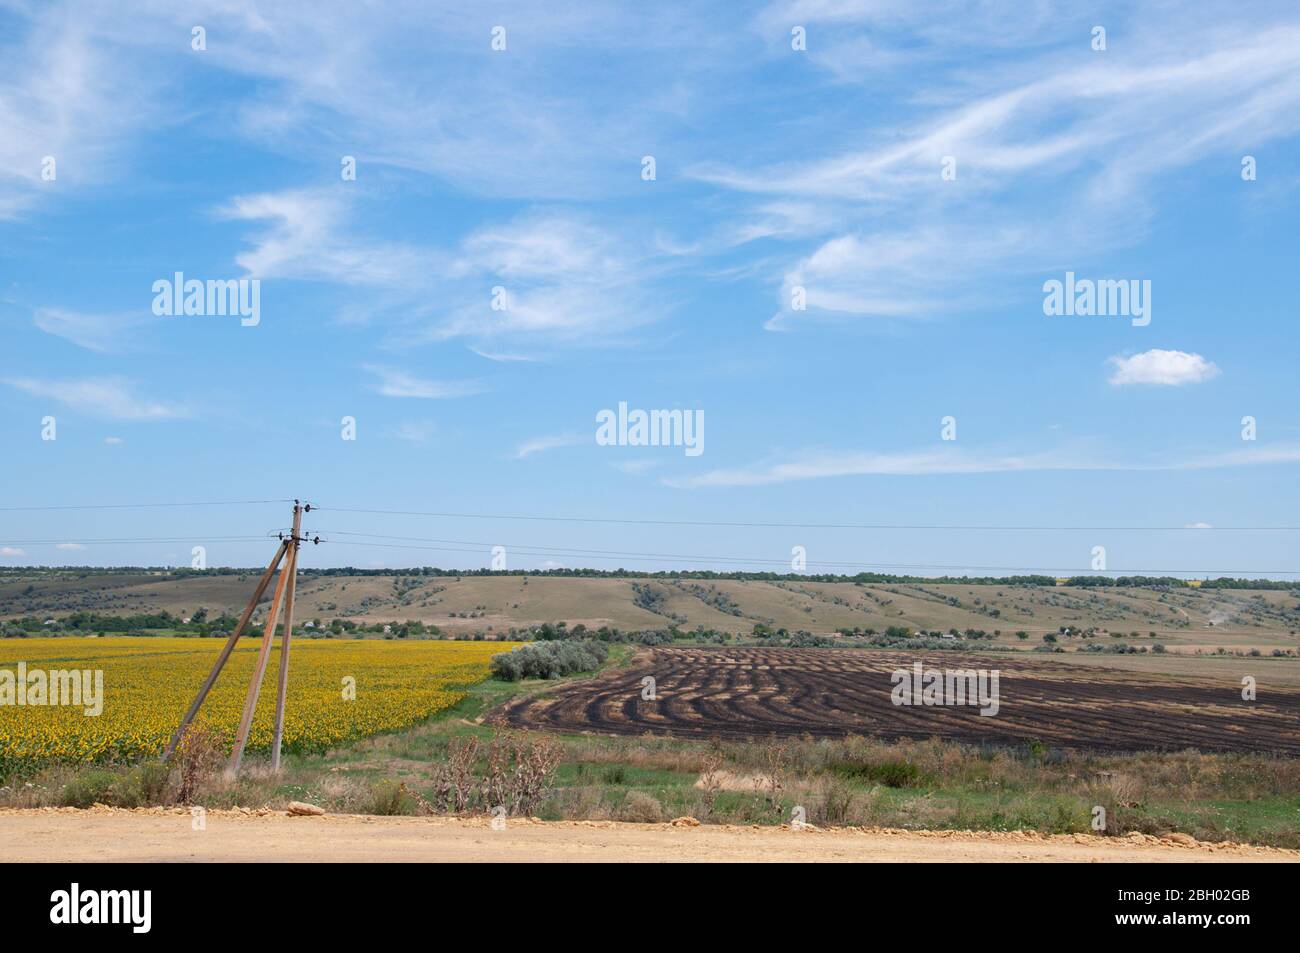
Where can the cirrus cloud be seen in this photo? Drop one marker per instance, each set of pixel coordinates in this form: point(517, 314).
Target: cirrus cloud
point(394, 382)
point(114, 398)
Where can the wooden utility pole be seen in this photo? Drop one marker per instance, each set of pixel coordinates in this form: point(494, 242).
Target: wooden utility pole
point(225, 651)
point(286, 558)
point(283, 683)
point(264, 652)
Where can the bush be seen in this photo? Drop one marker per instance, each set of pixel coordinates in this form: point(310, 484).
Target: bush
point(144, 785)
point(836, 804)
point(641, 808)
point(547, 660)
point(892, 774)
point(93, 787)
point(390, 798)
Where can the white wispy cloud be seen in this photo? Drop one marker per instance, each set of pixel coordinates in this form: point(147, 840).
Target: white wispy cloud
point(69, 546)
point(1069, 136)
point(563, 280)
point(823, 464)
point(12, 551)
point(115, 398)
point(491, 123)
point(1164, 368)
point(553, 442)
point(394, 382)
point(1074, 112)
point(309, 234)
point(105, 333)
point(503, 358)
point(636, 467)
point(414, 431)
point(897, 274)
point(66, 95)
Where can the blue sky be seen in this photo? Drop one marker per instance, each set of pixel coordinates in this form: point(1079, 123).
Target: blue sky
point(779, 173)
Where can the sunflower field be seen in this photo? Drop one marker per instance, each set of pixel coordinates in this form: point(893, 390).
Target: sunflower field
point(339, 690)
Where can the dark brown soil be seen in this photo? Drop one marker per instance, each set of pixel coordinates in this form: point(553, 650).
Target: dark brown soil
point(757, 692)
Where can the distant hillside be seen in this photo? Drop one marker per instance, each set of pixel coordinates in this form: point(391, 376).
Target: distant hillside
point(496, 602)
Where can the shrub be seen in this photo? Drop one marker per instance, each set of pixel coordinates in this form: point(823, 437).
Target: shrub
point(837, 803)
point(642, 808)
point(453, 779)
point(892, 774)
point(92, 787)
point(551, 659)
point(144, 785)
point(390, 798)
point(198, 755)
point(519, 773)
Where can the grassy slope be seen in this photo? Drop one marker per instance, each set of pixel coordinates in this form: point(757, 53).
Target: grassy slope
point(1243, 619)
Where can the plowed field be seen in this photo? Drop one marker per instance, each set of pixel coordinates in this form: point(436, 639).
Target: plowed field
point(755, 692)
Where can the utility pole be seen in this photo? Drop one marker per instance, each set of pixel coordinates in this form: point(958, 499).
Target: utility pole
point(225, 651)
point(283, 683)
point(286, 558)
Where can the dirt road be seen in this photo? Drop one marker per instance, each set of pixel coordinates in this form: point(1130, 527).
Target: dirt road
point(168, 835)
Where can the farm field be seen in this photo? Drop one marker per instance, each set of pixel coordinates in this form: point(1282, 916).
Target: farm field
point(653, 776)
point(1270, 673)
point(826, 693)
point(148, 682)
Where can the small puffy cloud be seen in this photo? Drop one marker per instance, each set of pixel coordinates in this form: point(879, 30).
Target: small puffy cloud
point(69, 546)
point(114, 441)
point(1167, 368)
point(11, 551)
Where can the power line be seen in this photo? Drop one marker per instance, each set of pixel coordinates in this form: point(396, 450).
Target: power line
point(861, 566)
point(665, 522)
point(788, 525)
point(132, 506)
point(530, 550)
point(196, 537)
point(456, 545)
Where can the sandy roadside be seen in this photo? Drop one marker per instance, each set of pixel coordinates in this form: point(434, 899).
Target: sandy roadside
point(102, 834)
